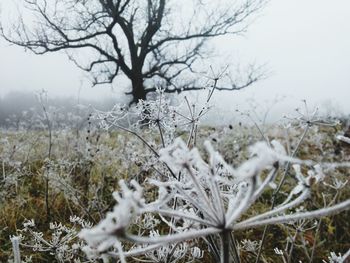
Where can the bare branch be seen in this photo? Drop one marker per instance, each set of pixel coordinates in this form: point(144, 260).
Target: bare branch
point(148, 40)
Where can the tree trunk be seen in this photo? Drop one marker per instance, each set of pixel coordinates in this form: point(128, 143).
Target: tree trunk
point(138, 90)
point(139, 93)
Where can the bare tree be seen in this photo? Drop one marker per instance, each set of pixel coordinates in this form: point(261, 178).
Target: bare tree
point(150, 42)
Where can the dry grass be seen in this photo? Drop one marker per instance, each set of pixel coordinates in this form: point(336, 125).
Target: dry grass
point(94, 169)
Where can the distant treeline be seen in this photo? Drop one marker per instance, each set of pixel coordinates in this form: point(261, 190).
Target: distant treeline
point(24, 110)
point(17, 108)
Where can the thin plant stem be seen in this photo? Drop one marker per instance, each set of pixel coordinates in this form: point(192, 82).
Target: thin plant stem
point(47, 168)
point(158, 122)
point(225, 241)
point(161, 133)
point(236, 258)
point(213, 246)
point(146, 143)
point(319, 223)
point(318, 228)
point(16, 251)
point(345, 205)
point(292, 247)
point(274, 196)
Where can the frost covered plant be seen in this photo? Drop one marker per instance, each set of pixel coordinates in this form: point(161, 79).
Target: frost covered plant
point(311, 117)
point(182, 205)
point(336, 183)
point(158, 112)
point(249, 245)
point(157, 115)
point(206, 199)
point(334, 258)
point(172, 253)
point(298, 230)
point(63, 244)
point(343, 138)
point(15, 248)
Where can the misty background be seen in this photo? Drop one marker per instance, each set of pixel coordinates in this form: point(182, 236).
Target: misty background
point(303, 45)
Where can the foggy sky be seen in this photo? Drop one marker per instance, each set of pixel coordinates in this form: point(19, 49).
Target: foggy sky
point(304, 44)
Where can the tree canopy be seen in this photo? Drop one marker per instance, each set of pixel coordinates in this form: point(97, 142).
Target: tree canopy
point(150, 42)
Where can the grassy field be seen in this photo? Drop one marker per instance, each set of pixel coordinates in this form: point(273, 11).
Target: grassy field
point(78, 173)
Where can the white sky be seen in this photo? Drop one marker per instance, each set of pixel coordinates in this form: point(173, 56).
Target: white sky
point(305, 43)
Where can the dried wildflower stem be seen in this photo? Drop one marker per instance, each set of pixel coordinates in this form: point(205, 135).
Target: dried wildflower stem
point(345, 205)
point(263, 136)
point(242, 206)
point(318, 228)
point(217, 196)
point(194, 120)
point(146, 143)
point(198, 205)
point(15, 248)
point(202, 193)
point(195, 135)
point(47, 168)
point(225, 250)
point(236, 258)
point(346, 256)
point(135, 252)
point(158, 122)
point(121, 253)
point(288, 165)
point(270, 177)
point(189, 235)
point(304, 244)
point(171, 253)
point(289, 257)
point(160, 133)
point(177, 214)
point(213, 247)
point(138, 136)
point(274, 196)
point(281, 209)
point(3, 170)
